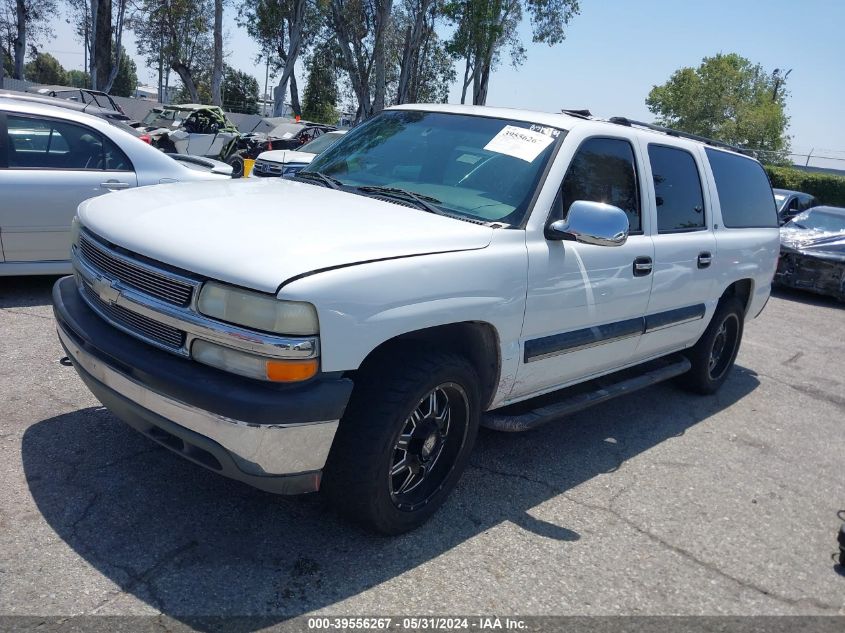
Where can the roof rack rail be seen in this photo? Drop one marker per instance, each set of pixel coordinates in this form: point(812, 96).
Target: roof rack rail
point(621, 120)
point(581, 114)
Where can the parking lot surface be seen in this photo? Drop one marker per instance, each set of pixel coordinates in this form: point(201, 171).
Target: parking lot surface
point(656, 503)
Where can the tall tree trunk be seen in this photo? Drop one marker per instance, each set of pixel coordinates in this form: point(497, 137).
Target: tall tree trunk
point(20, 38)
point(2, 66)
point(467, 80)
point(294, 96)
point(289, 56)
point(352, 60)
point(411, 52)
point(102, 45)
point(118, 45)
point(92, 38)
point(383, 18)
point(217, 70)
point(187, 80)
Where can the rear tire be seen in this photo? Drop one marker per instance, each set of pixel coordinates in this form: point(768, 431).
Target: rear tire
point(713, 356)
point(405, 439)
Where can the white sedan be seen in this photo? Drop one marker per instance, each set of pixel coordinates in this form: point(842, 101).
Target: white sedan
point(53, 158)
point(286, 162)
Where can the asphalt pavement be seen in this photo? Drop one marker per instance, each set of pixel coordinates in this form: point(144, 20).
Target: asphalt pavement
point(657, 503)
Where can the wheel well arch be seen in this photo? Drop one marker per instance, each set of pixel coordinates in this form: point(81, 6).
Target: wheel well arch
point(478, 341)
point(742, 289)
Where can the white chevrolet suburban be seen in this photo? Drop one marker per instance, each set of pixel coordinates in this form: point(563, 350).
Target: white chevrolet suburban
point(438, 268)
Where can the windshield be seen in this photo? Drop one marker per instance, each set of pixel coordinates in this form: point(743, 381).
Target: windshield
point(320, 143)
point(819, 221)
point(152, 116)
point(478, 167)
point(779, 200)
point(286, 130)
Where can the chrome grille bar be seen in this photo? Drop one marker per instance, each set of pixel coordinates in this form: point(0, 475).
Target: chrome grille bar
point(151, 331)
point(135, 274)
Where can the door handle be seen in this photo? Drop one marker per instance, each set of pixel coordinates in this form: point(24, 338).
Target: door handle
point(704, 259)
point(642, 266)
point(113, 185)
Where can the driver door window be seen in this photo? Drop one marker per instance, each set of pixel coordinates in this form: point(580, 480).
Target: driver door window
point(45, 144)
point(602, 170)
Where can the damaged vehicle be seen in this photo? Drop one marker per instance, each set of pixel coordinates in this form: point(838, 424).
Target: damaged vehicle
point(284, 137)
point(191, 128)
point(812, 252)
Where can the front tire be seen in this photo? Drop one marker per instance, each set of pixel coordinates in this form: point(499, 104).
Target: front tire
point(237, 163)
point(404, 441)
point(713, 356)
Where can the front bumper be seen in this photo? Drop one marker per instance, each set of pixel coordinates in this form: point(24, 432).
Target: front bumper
point(273, 437)
point(815, 274)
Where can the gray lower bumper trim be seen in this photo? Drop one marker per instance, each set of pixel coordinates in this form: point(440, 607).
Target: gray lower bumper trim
point(257, 449)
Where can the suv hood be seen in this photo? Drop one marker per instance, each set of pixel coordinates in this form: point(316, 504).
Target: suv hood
point(261, 233)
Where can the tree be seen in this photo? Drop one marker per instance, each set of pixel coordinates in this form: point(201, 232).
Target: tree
point(45, 69)
point(360, 28)
point(728, 98)
point(78, 79)
point(98, 24)
point(239, 91)
point(217, 55)
point(126, 79)
point(485, 27)
point(176, 34)
point(320, 99)
point(282, 29)
point(425, 67)
point(100, 61)
point(23, 23)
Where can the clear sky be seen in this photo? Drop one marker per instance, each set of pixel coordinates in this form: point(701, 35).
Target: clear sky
point(616, 50)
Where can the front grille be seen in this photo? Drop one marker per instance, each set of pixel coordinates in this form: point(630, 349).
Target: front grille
point(142, 278)
point(267, 168)
point(164, 335)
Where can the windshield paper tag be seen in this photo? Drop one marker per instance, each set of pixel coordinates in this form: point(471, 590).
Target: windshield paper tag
point(519, 143)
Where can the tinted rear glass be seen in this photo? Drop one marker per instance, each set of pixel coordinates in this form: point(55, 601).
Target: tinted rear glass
point(744, 191)
point(677, 189)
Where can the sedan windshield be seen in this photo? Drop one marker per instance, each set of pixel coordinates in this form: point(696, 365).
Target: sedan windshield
point(320, 143)
point(469, 166)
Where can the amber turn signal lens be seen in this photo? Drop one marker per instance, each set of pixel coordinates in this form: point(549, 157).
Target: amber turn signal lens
point(291, 370)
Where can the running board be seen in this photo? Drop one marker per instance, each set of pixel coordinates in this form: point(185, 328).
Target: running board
point(603, 389)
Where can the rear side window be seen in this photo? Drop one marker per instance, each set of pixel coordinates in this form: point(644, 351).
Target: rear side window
point(602, 170)
point(677, 189)
point(745, 194)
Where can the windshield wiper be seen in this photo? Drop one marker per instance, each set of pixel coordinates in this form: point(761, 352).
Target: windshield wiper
point(317, 176)
point(421, 200)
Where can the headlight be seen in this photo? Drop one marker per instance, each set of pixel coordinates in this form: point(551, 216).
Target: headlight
point(257, 311)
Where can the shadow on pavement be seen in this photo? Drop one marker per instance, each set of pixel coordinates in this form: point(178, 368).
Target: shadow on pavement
point(806, 297)
point(24, 292)
point(191, 543)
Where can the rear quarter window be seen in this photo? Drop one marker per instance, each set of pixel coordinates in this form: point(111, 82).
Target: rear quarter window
point(745, 193)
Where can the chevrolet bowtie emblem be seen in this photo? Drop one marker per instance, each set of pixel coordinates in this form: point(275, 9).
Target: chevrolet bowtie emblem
point(106, 290)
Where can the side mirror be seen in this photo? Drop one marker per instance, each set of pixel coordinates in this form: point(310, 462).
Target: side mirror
point(591, 223)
